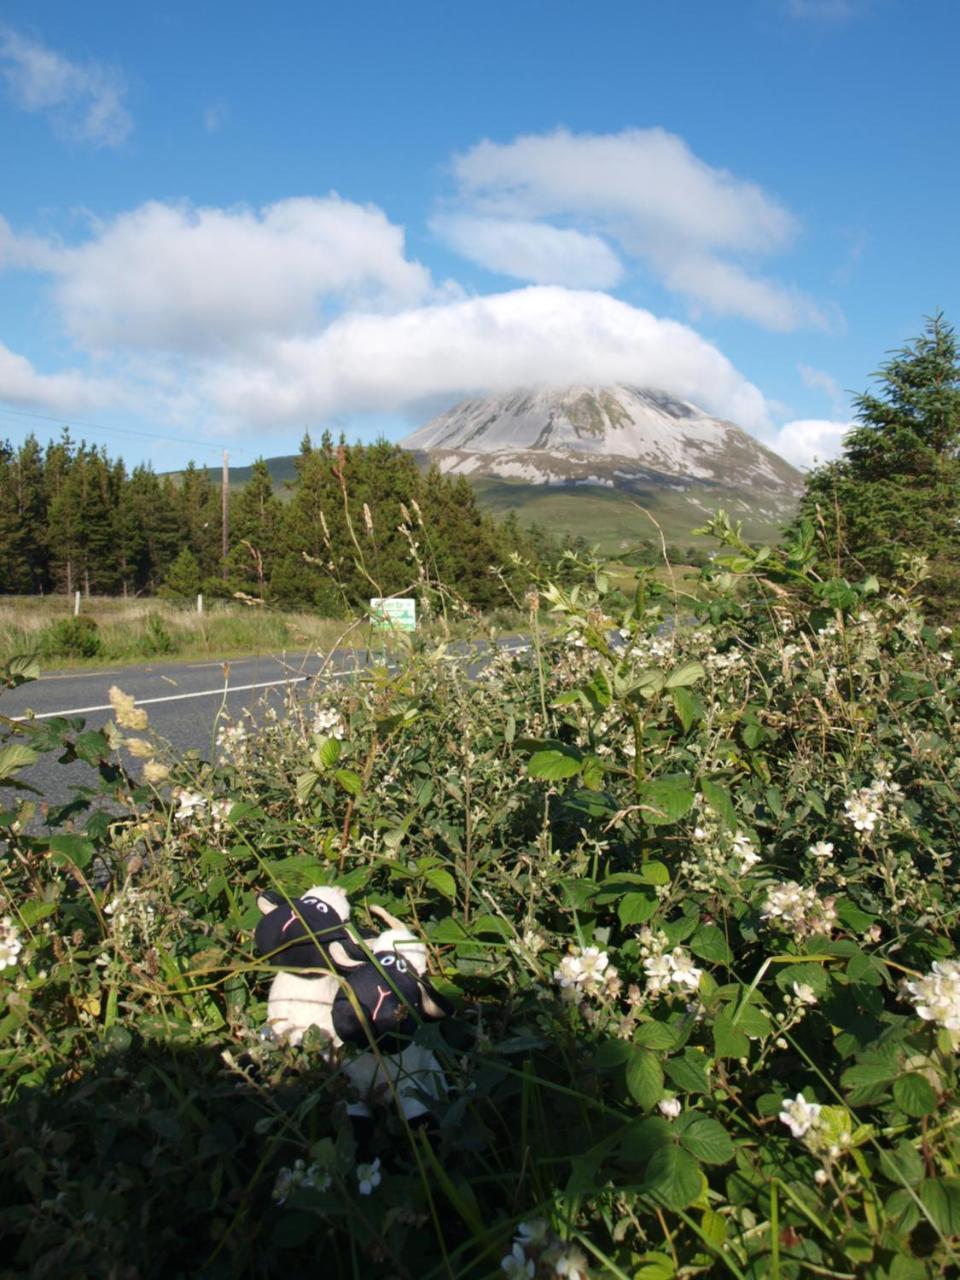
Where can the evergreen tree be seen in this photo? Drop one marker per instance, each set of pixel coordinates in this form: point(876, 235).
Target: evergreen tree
point(896, 488)
point(255, 529)
point(183, 577)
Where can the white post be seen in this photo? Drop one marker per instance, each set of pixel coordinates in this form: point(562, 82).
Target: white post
point(200, 602)
point(76, 605)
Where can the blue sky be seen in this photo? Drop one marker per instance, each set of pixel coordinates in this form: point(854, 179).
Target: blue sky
point(221, 225)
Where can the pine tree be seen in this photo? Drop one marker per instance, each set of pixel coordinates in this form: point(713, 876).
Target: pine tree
point(255, 527)
point(896, 489)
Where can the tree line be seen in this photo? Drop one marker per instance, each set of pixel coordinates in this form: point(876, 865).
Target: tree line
point(894, 493)
point(72, 518)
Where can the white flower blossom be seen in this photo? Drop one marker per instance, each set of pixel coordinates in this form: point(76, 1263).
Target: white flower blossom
point(670, 1107)
point(301, 1175)
point(569, 1262)
point(803, 993)
point(532, 1235)
point(188, 803)
point(368, 1177)
point(516, 1264)
point(799, 1115)
point(329, 722)
point(822, 850)
point(584, 971)
point(798, 910)
point(10, 944)
point(936, 996)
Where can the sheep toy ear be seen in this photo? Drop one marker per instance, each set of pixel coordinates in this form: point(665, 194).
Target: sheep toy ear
point(267, 902)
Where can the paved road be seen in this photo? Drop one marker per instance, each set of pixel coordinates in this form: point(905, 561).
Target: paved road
point(183, 700)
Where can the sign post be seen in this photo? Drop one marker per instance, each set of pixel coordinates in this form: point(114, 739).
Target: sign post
point(393, 613)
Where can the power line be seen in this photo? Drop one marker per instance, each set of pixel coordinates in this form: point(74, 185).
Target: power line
point(117, 431)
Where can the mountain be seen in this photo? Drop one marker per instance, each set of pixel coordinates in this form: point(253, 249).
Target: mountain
point(527, 449)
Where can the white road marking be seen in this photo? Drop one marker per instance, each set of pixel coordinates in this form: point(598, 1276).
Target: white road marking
point(180, 697)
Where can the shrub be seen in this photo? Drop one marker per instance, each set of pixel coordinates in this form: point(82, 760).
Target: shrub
point(71, 638)
point(687, 875)
point(157, 639)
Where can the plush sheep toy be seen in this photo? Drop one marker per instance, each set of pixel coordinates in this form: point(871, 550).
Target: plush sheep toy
point(364, 990)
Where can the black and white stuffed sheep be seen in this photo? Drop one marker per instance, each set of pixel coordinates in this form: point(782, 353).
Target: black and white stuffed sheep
point(366, 990)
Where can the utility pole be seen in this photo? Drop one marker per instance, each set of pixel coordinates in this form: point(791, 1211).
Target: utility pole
point(226, 511)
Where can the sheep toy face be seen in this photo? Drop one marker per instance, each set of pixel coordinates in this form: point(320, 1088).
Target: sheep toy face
point(296, 934)
point(386, 1000)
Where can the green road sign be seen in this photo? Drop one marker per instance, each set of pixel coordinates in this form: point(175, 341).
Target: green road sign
point(393, 614)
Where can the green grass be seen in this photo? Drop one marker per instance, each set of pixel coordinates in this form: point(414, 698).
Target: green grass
point(613, 519)
point(130, 631)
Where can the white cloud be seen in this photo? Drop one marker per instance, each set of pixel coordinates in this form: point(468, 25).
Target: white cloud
point(645, 190)
point(83, 101)
point(533, 251)
point(538, 336)
point(820, 380)
point(809, 441)
point(71, 392)
point(175, 278)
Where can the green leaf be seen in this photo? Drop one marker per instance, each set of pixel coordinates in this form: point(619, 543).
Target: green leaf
point(666, 800)
point(688, 1073)
point(941, 1198)
point(351, 782)
point(555, 763)
point(593, 771)
point(329, 752)
point(16, 757)
point(305, 784)
point(597, 691)
point(655, 1035)
point(914, 1095)
point(635, 908)
point(644, 1079)
point(673, 1178)
point(709, 943)
point(720, 801)
point(688, 673)
point(442, 881)
point(688, 707)
point(72, 849)
point(708, 1140)
point(729, 1041)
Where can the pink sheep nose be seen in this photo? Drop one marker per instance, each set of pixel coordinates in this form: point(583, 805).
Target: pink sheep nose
point(383, 995)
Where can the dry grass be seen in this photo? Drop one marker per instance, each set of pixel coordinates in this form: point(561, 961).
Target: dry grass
point(132, 630)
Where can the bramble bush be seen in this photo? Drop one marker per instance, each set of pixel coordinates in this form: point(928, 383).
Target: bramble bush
point(687, 875)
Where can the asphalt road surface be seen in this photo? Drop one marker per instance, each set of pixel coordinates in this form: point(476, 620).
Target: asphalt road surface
point(183, 701)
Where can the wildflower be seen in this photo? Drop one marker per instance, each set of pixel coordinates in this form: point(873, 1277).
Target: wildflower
point(820, 1177)
point(300, 1175)
point(683, 971)
point(804, 994)
point(865, 807)
point(329, 722)
point(568, 1261)
point(154, 772)
point(10, 944)
point(745, 852)
point(584, 971)
point(516, 1264)
point(670, 1107)
point(188, 803)
point(936, 996)
point(533, 1234)
point(368, 1177)
point(128, 714)
point(799, 1115)
point(140, 748)
point(798, 910)
point(822, 850)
